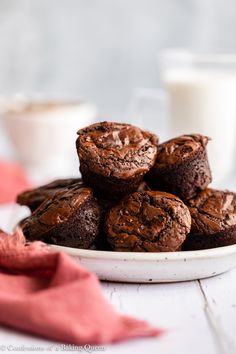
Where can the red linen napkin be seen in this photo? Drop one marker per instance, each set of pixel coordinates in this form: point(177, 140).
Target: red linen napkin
point(12, 181)
point(48, 294)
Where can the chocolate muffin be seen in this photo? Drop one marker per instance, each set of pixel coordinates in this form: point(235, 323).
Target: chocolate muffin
point(181, 166)
point(34, 197)
point(213, 215)
point(114, 157)
point(69, 218)
point(148, 222)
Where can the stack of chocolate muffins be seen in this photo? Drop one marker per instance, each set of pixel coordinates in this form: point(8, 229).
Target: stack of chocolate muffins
point(135, 195)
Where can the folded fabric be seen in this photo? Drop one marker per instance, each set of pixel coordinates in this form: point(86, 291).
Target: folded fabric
point(47, 293)
point(12, 181)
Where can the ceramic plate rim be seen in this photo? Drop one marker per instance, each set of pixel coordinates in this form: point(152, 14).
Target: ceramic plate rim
point(147, 256)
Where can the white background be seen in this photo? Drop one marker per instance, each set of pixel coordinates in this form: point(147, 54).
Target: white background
point(102, 49)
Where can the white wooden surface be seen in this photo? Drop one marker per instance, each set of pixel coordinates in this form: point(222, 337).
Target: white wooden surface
point(200, 316)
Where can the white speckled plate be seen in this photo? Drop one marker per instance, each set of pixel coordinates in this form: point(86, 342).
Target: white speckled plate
point(154, 267)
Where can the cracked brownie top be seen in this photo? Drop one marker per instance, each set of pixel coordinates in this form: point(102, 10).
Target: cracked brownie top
point(148, 221)
point(115, 149)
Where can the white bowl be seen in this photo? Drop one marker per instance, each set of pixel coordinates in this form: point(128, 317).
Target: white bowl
point(43, 133)
point(149, 267)
point(145, 267)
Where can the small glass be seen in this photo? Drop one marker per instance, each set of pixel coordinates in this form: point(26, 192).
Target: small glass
point(148, 110)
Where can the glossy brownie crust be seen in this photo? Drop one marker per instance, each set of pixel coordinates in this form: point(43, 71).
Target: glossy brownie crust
point(70, 218)
point(181, 166)
point(114, 157)
point(148, 222)
point(34, 197)
point(213, 215)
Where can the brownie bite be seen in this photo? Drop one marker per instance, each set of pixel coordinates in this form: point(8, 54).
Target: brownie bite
point(181, 166)
point(213, 215)
point(34, 197)
point(114, 157)
point(148, 222)
point(69, 218)
point(106, 205)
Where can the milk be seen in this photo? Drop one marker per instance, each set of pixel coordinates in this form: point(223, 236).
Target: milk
point(204, 101)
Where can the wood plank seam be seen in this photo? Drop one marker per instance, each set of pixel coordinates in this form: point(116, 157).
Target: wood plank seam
point(223, 344)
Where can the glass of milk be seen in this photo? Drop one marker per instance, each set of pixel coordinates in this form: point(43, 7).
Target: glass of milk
point(145, 105)
point(201, 93)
